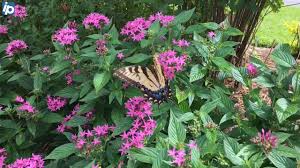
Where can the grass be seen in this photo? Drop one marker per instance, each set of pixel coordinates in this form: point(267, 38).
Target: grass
point(273, 28)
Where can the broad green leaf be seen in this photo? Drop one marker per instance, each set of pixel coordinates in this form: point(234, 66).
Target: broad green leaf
point(38, 81)
point(100, 80)
point(145, 155)
point(176, 130)
point(202, 49)
point(284, 109)
point(62, 151)
point(282, 56)
point(258, 111)
point(225, 51)
point(195, 28)
point(186, 117)
point(286, 151)
point(233, 32)
point(197, 73)
point(95, 36)
point(76, 121)
point(31, 127)
point(238, 76)
point(67, 92)
point(280, 161)
point(282, 136)
point(114, 35)
point(52, 118)
point(20, 138)
point(211, 25)
point(209, 106)
point(3, 47)
point(231, 148)
point(181, 95)
point(122, 126)
point(183, 16)
point(222, 64)
point(264, 81)
point(137, 58)
point(60, 66)
point(296, 83)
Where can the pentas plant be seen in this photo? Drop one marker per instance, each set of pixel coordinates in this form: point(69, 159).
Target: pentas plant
point(61, 100)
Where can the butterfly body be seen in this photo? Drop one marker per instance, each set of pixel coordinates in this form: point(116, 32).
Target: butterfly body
point(151, 81)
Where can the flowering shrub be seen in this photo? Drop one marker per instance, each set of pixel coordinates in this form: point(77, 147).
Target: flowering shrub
point(62, 107)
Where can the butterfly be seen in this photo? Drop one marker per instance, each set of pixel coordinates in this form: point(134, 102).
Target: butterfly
point(150, 80)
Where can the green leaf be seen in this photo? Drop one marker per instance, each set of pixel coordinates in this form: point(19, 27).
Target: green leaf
point(52, 118)
point(31, 127)
point(195, 28)
point(67, 92)
point(238, 76)
point(202, 49)
point(20, 138)
point(287, 151)
point(76, 121)
point(38, 81)
point(183, 16)
point(197, 73)
point(280, 161)
point(211, 25)
point(3, 47)
point(122, 126)
point(284, 109)
point(154, 28)
point(100, 80)
point(186, 117)
point(95, 36)
point(62, 151)
point(176, 130)
point(181, 95)
point(258, 111)
point(264, 81)
point(282, 56)
point(137, 58)
point(231, 148)
point(282, 136)
point(209, 106)
point(145, 155)
point(222, 64)
point(114, 35)
point(60, 66)
point(233, 32)
point(225, 51)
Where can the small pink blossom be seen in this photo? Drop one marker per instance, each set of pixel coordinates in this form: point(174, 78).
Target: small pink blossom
point(3, 29)
point(120, 55)
point(46, 69)
point(181, 43)
point(266, 140)
point(192, 145)
point(96, 166)
point(95, 19)
point(3, 156)
point(178, 156)
point(19, 99)
point(251, 70)
point(69, 78)
point(211, 34)
point(20, 12)
point(171, 63)
point(55, 103)
point(101, 48)
point(165, 20)
point(27, 107)
point(66, 36)
point(15, 47)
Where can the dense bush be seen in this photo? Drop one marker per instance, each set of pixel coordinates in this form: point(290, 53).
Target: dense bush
point(63, 107)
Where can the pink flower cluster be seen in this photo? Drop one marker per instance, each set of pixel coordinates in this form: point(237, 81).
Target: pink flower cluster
point(3, 29)
point(251, 70)
point(66, 36)
point(171, 63)
point(181, 43)
point(36, 161)
point(101, 48)
point(95, 19)
point(211, 34)
point(266, 140)
point(178, 156)
point(26, 106)
point(3, 155)
point(165, 20)
point(61, 128)
point(69, 76)
point(20, 12)
point(136, 29)
point(140, 110)
point(120, 55)
point(87, 140)
point(15, 47)
point(55, 103)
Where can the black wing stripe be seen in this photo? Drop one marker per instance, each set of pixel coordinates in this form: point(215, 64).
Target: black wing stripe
point(144, 69)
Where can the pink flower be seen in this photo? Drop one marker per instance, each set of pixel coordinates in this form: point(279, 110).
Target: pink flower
point(178, 156)
point(66, 36)
point(181, 43)
point(192, 145)
point(36, 161)
point(72, 24)
point(19, 99)
point(69, 78)
point(20, 12)
point(251, 70)
point(136, 29)
point(266, 140)
point(96, 142)
point(46, 69)
point(3, 155)
point(96, 166)
point(61, 128)
point(95, 19)
point(165, 20)
point(56, 103)
point(143, 125)
point(211, 34)
point(15, 47)
point(3, 29)
point(27, 107)
point(80, 143)
point(171, 63)
point(120, 55)
point(101, 48)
